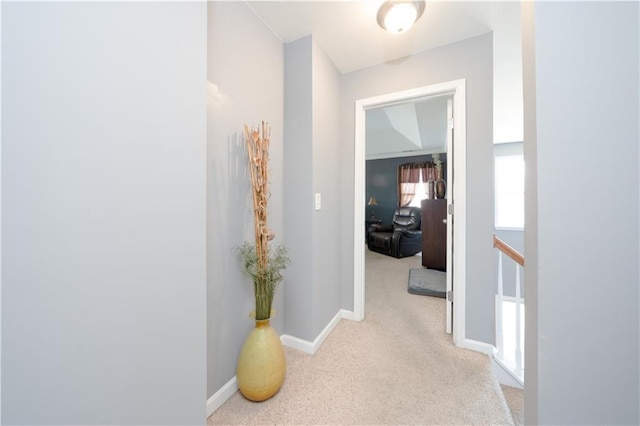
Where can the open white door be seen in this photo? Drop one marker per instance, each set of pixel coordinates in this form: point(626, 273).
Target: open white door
point(456, 158)
point(449, 196)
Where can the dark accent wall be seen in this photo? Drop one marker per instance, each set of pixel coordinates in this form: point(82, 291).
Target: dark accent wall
point(382, 183)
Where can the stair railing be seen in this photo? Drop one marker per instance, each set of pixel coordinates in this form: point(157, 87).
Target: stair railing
point(504, 248)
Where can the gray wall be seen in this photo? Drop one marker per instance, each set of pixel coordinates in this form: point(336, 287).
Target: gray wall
point(298, 186)
point(470, 59)
point(326, 181)
point(530, 214)
point(103, 194)
point(587, 286)
point(312, 165)
point(432, 122)
point(239, 93)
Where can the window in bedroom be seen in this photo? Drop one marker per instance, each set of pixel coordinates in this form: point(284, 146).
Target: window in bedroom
point(421, 193)
point(413, 182)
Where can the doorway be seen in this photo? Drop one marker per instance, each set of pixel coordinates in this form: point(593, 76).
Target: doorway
point(456, 220)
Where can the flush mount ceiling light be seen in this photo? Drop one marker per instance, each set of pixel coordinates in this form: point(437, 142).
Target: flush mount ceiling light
point(399, 16)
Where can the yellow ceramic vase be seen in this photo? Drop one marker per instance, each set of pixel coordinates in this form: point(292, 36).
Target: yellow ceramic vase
point(261, 364)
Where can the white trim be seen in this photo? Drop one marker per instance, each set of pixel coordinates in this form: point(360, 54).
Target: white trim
point(358, 211)
point(348, 315)
point(312, 347)
point(403, 154)
point(458, 89)
point(474, 345)
point(450, 219)
point(506, 228)
point(220, 397)
point(460, 211)
point(504, 376)
point(498, 308)
point(298, 344)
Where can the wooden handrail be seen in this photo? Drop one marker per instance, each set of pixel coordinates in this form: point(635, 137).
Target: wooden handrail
point(508, 250)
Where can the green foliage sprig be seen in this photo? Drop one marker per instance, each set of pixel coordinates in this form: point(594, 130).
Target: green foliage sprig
point(265, 280)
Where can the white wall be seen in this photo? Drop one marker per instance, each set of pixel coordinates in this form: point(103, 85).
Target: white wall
point(240, 92)
point(586, 88)
point(103, 195)
point(469, 59)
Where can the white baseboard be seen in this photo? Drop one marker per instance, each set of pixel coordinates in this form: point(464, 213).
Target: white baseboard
point(220, 397)
point(297, 343)
point(348, 315)
point(504, 375)
point(477, 346)
point(501, 372)
point(312, 347)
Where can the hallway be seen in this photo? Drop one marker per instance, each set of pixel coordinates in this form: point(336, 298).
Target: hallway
point(396, 367)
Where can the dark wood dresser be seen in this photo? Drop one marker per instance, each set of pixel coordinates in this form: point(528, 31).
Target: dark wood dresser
point(434, 234)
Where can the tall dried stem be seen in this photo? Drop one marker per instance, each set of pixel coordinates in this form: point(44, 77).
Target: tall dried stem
point(258, 153)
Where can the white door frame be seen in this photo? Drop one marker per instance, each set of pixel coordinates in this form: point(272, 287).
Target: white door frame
point(449, 263)
point(457, 88)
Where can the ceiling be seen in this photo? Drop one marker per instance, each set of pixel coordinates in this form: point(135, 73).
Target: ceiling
point(351, 37)
point(349, 33)
point(416, 127)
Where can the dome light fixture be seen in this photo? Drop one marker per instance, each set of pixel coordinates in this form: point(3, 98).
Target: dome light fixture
point(398, 16)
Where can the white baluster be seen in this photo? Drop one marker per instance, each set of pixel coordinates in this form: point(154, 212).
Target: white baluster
point(499, 302)
point(518, 336)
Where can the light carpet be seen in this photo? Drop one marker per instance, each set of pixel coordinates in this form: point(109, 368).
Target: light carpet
point(515, 401)
point(396, 367)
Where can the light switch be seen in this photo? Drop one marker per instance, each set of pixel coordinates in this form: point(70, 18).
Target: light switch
point(318, 200)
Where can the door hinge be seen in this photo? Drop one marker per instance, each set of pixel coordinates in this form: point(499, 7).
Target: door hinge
point(451, 122)
point(450, 209)
point(450, 296)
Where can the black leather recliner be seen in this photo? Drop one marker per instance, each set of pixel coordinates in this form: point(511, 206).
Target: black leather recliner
point(403, 238)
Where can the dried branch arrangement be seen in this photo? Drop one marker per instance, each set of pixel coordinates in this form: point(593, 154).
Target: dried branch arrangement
point(264, 268)
point(258, 152)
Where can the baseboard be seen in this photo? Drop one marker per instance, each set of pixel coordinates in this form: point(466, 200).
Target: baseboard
point(505, 376)
point(312, 347)
point(348, 315)
point(501, 372)
point(477, 346)
point(297, 343)
point(220, 397)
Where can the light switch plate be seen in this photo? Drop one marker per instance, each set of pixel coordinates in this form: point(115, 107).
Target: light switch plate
point(318, 200)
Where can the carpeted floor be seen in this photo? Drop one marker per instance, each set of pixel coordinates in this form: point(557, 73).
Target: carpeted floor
point(515, 401)
point(396, 367)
